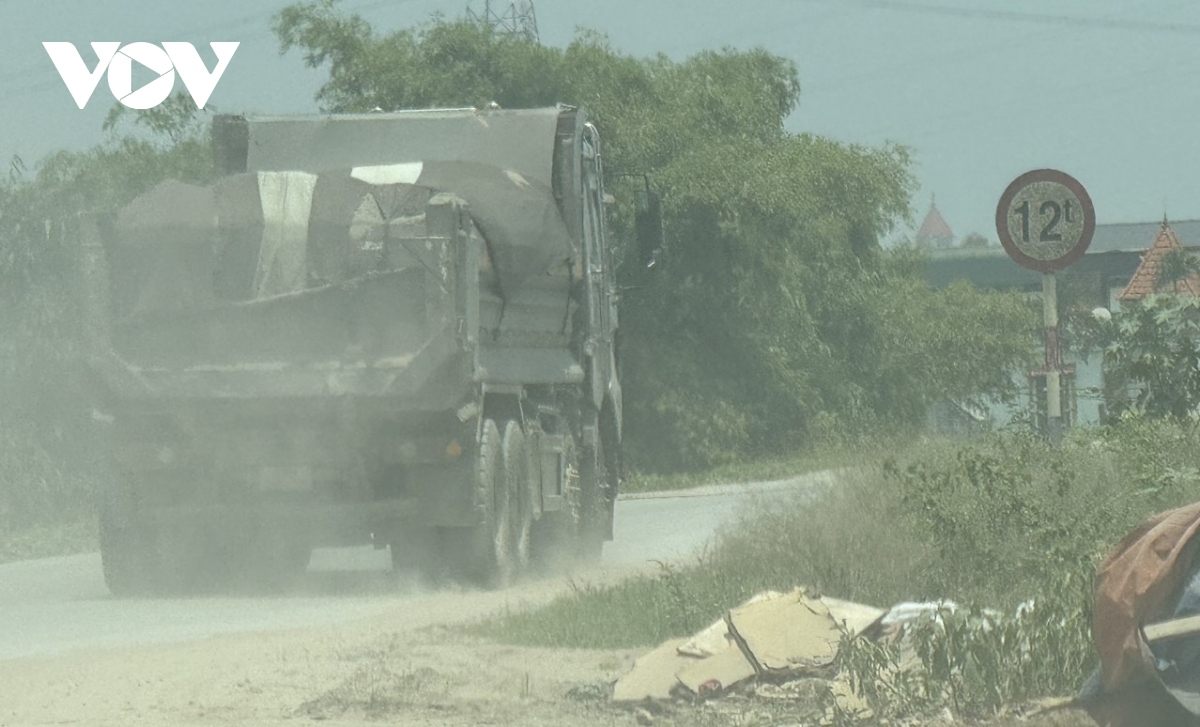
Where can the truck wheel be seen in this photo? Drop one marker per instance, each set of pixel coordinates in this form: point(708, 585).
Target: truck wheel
point(594, 509)
point(487, 548)
point(520, 490)
point(125, 550)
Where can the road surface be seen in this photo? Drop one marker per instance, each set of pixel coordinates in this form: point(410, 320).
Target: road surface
point(56, 605)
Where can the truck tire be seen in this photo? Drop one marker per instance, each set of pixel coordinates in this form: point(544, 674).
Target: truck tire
point(594, 508)
point(485, 552)
point(136, 557)
point(520, 487)
point(126, 553)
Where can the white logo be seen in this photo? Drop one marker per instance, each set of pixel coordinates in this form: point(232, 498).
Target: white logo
point(118, 61)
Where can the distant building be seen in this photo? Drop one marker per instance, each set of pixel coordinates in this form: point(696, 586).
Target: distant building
point(1122, 263)
point(934, 232)
point(1149, 277)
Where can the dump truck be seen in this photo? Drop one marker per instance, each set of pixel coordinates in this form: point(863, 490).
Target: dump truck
point(396, 329)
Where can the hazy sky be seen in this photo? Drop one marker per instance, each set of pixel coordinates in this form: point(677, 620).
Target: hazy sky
point(982, 90)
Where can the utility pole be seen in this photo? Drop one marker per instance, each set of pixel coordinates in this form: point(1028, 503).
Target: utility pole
point(518, 19)
point(1054, 421)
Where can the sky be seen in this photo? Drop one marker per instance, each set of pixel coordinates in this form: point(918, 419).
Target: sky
point(980, 90)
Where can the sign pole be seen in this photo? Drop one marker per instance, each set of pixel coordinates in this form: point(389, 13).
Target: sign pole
point(1046, 220)
point(1054, 429)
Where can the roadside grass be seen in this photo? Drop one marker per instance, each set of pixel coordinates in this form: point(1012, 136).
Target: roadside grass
point(996, 522)
point(638, 612)
point(45, 496)
point(78, 534)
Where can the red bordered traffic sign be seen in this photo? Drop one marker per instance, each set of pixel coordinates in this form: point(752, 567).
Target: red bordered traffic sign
point(1045, 220)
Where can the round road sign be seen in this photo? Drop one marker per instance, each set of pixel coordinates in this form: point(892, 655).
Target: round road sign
point(1045, 220)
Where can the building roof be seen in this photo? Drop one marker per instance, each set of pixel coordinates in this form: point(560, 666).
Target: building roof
point(1133, 235)
point(1145, 278)
point(934, 226)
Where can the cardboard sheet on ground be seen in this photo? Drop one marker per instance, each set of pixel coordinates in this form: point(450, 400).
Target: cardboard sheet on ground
point(654, 675)
point(716, 639)
point(719, 672)
point(856, 617)
point(776, 634)
point(788, 633)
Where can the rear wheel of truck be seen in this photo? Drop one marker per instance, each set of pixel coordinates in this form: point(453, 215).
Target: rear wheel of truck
point(485, 552)
point(594, 507)
point(519, 479)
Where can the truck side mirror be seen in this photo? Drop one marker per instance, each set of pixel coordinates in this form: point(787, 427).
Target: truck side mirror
point(649, 227)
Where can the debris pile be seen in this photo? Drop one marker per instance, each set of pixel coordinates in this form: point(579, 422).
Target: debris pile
point(779, 642)
point(1146, 627)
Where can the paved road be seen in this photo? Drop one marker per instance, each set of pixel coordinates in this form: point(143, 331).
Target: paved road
point(55, 605)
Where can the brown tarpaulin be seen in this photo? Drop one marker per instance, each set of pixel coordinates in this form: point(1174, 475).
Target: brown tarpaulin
point(1139, 583)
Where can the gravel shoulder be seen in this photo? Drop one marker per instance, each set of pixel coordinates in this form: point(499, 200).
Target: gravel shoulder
point(406, 663)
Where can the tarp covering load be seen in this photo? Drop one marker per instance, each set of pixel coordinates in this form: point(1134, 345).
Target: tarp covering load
point(164, 255)
point(521, 141)
point(255, 236)
point(1151, 576)
point(516, 215)
point(283, 232)
point(263, 234)
point(501, 162)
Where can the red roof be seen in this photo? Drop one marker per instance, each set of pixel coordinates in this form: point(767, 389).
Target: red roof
point(934, 225)
point(1145, 279)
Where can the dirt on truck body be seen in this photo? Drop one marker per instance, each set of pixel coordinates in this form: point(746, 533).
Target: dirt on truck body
point(391, 328)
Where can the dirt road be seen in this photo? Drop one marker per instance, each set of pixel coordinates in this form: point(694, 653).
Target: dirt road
point(350, 645)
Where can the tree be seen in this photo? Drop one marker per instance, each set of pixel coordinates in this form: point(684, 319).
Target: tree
point(45, 426)
point(1175, 267)
point(975, 240)
point(777, 312)
point(1151, 355)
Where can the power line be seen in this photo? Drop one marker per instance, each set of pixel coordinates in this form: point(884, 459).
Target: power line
point(1129, 82)
point(1024, 17)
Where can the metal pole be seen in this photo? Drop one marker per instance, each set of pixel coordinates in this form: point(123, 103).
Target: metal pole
point(1053, 358)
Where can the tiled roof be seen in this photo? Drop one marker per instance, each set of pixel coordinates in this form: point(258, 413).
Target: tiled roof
point(934, 226)
point(1145, 279)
